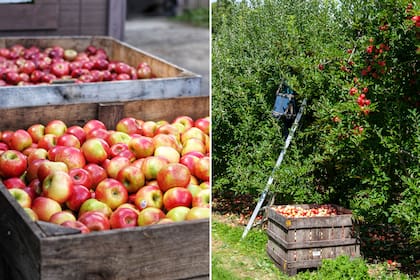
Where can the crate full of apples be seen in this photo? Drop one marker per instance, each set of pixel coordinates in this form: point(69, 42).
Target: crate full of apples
point(60, 70)
point(134, 195)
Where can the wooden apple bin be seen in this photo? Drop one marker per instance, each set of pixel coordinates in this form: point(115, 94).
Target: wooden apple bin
point(171, 81)
point(39, 250)
point(299, 243)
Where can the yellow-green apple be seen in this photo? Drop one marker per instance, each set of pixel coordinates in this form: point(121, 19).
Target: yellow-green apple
point(198, 213)
point(37, 153)
point(61, 217)
point(152, 165)
point(186, 121)
point(123, 218)
point(95, 221)
point(111, 192)
point(95, 150)
point(149, 196)
point(79, 195)
point(168, 153)
point(173, 175)
point(14, 182)
point(143, 71)
point(170, 130)
point(205, 185)
point(76, 225)
point(56, 127)
point(177, 197)
point(92, 204)
point(178, 214)
point(47, 141)
point(68, 140)
point(166, 140)
point(81, 176)
point(194, 189)
point(193, 132)
point(202, 169)
point(71, 156)
point(141, 146)
point(77, 131)
point(97, 173)
point(132, 178)
point(70, 54)
point(92, 125)
point(193, 145)
point(21, 197)
point(201, 199)
point(194, 180)
point(115, 137)
point(47, 167)
point(31, 213)
point(12, 164)
point(165, 221)
point(203, 124)
point(129, 125)
point(150, 216)
point(148, 128)
point(58, 186)
point(114, 165)
point(20, 140)
point(45, 207)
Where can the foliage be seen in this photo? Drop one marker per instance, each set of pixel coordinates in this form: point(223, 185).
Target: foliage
point(357, 64)
point(197, 17)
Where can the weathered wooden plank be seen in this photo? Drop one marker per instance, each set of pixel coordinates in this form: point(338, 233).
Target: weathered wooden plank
point(42, 14)
point(69, 20)
point(117, 11)
point(93, 17)
point(110, 113)
point(171, 251)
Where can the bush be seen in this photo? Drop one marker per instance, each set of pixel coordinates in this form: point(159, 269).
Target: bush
point(357, 64)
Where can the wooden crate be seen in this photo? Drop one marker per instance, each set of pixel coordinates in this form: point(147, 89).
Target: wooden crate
point(299, 243)
point(39, 250)
point(171, 81)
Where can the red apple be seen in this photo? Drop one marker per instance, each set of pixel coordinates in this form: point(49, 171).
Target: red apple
point(168, 140)
point(95, 150)
point(48, 167)
point(129, 125)
point(58, 186)
point(92, 125)
point(14, 182)
point(144, 72)
point(123, 218)
point(20, 140)
point(151, 166)
point(122, 68)
point(173, 175)
point(169, 153)
point(77, 131)
point(37, 76)
point(12, 164)
point(111, 192)
point(148, 128)
point(76, 225)
point(81, 176)
point(203, 124)
point(132, 178)
point(28, 67)
point(47, 141)
point(68, 140)
point(22, 197)
point(36, 131)
point(201, 199)
point(115, 137)
point(148, 196)
point(177, 196)
point(189, 160)
point(95, 221)
point(186, 122)
point(193, 145)
point(97, 173)
point(193, 132)
point(61, 217)
point(79, 195)
point(202, 169)
point(52, 152)
point(31, 213)
point(150, 216)
point(141, 146)
point(45, 207)
point(71, 156)
point(56, 127)
point(98, 133)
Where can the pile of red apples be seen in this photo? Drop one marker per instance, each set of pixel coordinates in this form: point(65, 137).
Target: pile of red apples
point(32, 66)
point(293, 211)
point(94, 178)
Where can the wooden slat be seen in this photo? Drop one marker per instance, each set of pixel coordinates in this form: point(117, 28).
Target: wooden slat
point(171, 251)
point(117, 11)
point(42, 14)
point(93, 17)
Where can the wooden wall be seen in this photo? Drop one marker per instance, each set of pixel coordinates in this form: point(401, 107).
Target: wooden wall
point(64, 17)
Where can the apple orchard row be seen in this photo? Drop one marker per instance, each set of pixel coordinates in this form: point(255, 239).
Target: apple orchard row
point(94, 178)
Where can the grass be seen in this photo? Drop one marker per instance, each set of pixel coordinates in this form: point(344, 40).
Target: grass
point(197, 17)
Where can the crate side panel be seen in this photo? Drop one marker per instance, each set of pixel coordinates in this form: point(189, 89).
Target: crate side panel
point(19, 240)
point(175, 251)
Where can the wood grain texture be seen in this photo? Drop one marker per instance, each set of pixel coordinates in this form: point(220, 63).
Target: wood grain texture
point(79, 114)
point(117, 11)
